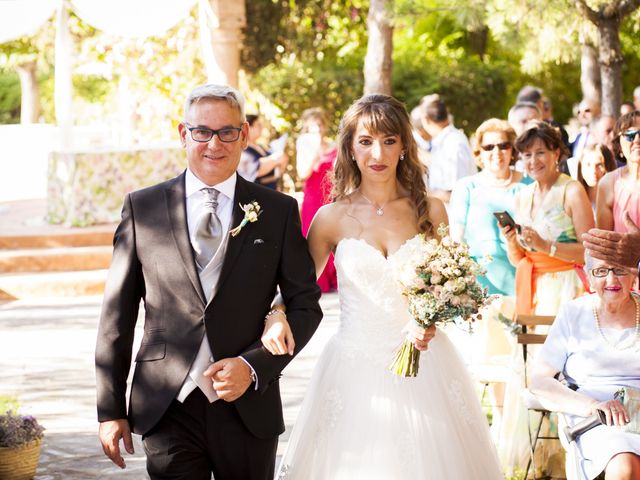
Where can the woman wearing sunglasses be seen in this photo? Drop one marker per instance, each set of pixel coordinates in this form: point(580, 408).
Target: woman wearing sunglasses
point(619, 191)
point(475, 198)
point(595, 342)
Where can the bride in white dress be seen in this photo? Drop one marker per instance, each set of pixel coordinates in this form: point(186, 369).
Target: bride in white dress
point(358, 420)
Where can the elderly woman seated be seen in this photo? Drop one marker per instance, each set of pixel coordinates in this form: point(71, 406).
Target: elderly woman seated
point(595, 343)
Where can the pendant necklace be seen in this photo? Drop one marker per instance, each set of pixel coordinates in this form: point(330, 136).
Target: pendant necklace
point(636, 335)
point(379, 210)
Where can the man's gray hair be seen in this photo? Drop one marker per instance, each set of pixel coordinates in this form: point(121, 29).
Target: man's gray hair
point(636, 91)
point(215, 92)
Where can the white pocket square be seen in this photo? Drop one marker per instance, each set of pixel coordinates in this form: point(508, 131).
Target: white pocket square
point(258, 241)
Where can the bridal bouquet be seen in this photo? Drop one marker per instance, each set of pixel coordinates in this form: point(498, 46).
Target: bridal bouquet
point(439, 281)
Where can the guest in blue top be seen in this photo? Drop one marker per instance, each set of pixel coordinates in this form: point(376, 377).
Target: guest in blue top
point(476, 198)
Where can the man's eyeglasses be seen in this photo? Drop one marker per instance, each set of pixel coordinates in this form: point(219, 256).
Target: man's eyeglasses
point(600, 272)
point(490, 146)
point(629, 135)
point(204, 134)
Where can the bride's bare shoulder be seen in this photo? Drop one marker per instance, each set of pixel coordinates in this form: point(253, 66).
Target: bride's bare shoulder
point(329, 219)
point(333, 211)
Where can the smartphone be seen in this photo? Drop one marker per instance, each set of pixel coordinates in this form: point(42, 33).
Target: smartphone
point(504, 219)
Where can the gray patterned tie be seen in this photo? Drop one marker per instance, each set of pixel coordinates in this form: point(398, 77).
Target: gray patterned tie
point(209, 230)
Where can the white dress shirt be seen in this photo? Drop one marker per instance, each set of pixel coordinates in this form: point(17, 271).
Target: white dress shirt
point(451, 159)
point(209, 276)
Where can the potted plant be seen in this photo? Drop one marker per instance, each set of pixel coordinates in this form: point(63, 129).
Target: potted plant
point(20, 439)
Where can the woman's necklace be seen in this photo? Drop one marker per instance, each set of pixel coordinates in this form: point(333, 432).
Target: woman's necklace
point(493, 182)
point(379, 209)
point(636, 335)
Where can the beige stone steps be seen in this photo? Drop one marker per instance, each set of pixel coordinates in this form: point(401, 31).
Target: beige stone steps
point(52, 284)
point(39, 260)
point(54, 238)
point(55, 259)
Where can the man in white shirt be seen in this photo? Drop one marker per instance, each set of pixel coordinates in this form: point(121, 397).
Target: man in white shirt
point(205, 394)
point(450, 157)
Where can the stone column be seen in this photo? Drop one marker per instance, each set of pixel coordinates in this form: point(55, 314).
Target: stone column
point(222, 39)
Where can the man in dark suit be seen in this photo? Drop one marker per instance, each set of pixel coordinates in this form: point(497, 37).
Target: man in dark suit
point(205, 394)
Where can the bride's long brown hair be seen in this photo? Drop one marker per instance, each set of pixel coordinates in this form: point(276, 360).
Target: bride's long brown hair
point(386, 115)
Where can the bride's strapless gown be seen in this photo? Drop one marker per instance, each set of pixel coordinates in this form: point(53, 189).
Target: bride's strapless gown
point(358, 420)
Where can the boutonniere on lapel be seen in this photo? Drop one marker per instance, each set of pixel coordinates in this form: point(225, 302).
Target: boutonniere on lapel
point(251, 213)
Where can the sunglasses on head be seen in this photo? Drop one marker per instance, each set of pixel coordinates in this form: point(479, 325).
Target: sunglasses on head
point(490, 146)
point(629, 135)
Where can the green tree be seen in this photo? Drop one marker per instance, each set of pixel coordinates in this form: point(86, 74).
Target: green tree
point(565, 32)
point(30, 57)
point(433, 54)
point(377, 62)
point(310, 55)
point(607, 17)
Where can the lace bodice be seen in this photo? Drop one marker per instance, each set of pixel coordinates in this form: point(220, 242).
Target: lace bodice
point(373, 310)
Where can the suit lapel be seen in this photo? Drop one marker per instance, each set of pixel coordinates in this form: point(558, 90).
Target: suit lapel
point(176, 205)
point(234, 247)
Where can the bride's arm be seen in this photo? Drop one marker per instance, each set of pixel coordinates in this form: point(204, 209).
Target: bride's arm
point(322, 236)
point(420, 337)
point(277, 336)
point(437, 214)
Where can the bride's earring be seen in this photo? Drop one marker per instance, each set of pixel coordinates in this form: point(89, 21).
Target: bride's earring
point(353, 159)
point(402, 156)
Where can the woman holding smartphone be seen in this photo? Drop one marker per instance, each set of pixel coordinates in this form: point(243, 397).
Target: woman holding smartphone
point(553, 213)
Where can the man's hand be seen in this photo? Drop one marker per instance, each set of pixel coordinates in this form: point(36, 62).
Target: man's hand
point(110, 433)
point(620, 249)
point(230, 376)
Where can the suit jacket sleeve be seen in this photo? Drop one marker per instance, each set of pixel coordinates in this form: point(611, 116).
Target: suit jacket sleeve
point(123, 292)
point(297, 282)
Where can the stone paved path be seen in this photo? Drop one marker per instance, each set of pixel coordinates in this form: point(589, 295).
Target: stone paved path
point(46, 360)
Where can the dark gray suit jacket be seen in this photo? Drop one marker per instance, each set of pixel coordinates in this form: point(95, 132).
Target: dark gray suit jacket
point(153, 262)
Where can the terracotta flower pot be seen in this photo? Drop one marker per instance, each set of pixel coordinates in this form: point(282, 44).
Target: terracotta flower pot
point(19, 463)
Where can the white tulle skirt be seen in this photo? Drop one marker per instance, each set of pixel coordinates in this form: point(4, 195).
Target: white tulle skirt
point(358, 420)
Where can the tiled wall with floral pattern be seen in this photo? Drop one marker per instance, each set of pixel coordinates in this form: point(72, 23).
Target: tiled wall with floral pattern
point(88, 188)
